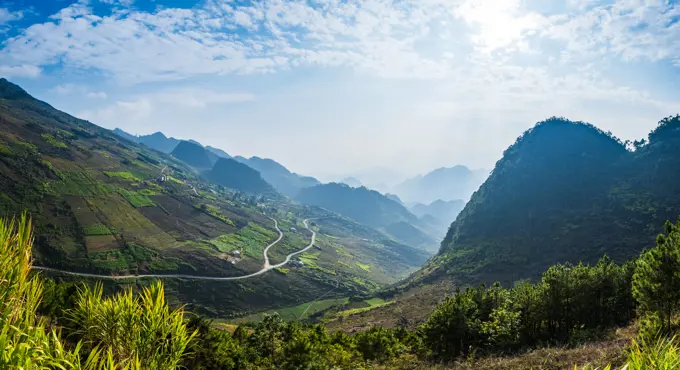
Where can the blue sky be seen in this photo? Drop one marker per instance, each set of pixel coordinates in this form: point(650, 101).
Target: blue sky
point(336, 87)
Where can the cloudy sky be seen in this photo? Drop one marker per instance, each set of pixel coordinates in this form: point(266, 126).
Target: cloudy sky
point(334, 87)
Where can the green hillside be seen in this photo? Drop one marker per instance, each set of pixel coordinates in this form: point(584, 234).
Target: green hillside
point(564, 192)
point(278, 176)
point(106, 205)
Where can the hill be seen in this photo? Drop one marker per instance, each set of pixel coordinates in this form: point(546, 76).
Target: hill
point(278, 176)
point(444, 211)
point(370, 208)
point(352, 181)
point(126, 135)
point(458, 182)
point(218, 152)
point(106, 205)
point(395, 198)
point(157, 140)
point(564, 192)
point(360, 204)
point(232, 174)
point(192, 154)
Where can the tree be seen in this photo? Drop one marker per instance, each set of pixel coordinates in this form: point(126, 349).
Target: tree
point(656, 282)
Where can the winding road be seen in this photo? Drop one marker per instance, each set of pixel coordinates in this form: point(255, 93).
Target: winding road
point(265, 268)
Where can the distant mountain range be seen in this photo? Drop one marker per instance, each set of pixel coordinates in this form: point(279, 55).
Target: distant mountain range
point(370, 208)
point(439, 209)
point(194, 154)
point(352, 181)
point(278, 176)
point(232, 174)
point(218, 152)
point(458, 182)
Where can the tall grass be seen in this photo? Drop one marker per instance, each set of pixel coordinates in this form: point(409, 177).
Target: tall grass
point(132, 330)
point(124, 332)
point(25, 341)
point(661, 354)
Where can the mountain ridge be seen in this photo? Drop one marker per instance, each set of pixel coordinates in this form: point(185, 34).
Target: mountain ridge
point(371, 208)
point(559, 194)
point(445, 183)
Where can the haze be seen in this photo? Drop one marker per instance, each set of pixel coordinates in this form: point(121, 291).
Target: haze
point(335, 88)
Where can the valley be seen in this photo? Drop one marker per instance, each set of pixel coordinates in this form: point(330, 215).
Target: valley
point(108, 208)
point(339, 185)
point(295, 256)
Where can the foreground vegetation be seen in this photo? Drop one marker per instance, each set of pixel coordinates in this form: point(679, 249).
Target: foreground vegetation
point(139, 331)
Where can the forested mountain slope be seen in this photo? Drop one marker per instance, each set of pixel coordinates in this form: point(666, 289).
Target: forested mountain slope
point(564, 192)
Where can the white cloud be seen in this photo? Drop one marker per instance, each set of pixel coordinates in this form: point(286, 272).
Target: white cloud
point(387, 38)
point(96, 95)
point(118, 2)
point(140, 110)
point(22, 70)
point(499, 24)
point(626, 29)
point(71, 89)
point(64, 89)
point(7, 16)
point(121, 112)
point(200, 98)
point(375, 36)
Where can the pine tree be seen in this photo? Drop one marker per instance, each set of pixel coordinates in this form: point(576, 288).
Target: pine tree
point(656, 282)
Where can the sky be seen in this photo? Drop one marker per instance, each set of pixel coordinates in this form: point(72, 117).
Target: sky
point(332, 88)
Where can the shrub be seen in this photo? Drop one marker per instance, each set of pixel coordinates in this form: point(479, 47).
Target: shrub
point(54, 142)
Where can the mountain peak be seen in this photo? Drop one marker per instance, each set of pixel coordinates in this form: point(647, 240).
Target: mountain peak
point(11, 91)
point(158, 134)
point(193, 154)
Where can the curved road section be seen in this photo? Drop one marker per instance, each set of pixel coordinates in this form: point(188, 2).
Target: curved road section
point(265, 268)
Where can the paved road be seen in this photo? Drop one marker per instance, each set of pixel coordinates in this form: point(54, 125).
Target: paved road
point(266, 257)
point(266, 267)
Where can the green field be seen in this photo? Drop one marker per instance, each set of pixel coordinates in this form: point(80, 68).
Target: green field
point(98, 229)
point(137, 199)
point(299, 312)
point(122, 175)
point(372, 303)
point(251, 241)
point(364, 267)
point(80, 184)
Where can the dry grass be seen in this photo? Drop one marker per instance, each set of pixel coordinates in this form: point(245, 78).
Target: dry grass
point(611, 351)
